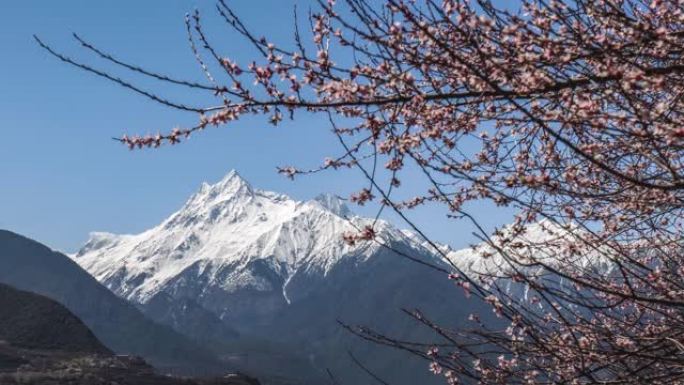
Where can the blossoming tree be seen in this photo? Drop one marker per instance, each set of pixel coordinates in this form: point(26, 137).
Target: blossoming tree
point(570, 112)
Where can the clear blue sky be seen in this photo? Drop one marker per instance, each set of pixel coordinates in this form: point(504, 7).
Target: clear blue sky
point(62, 175)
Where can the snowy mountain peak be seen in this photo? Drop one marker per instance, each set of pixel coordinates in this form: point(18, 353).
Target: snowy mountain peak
point(231, 180)
point(334, 203)
point(230, 186)
point(231, 237)
point(221, 233)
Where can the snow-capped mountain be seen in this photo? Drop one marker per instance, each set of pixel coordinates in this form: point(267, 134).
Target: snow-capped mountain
point(221, 233)
point(256, 274)
point(235, 260)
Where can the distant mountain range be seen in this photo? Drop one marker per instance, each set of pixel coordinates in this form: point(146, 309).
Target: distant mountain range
point(263, 279)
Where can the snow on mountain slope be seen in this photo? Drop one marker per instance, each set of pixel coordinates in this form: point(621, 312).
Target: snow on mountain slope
point(543, 241)
point(235, 260)
point(223, 228)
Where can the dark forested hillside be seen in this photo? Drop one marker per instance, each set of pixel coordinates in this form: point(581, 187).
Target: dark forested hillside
point(29, 265)
point(29, 320)
point(43, 343)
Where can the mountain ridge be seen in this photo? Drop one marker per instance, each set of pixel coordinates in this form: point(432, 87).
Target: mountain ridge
point(278, 270)
point(225, 224)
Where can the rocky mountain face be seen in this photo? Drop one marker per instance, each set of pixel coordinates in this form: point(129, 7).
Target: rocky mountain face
point(267, 279)
point(43, 343)
point(28, 265)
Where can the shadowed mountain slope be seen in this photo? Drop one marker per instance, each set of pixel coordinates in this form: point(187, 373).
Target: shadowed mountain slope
point(29, 265)
point(32, 321)
point(43, 343)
